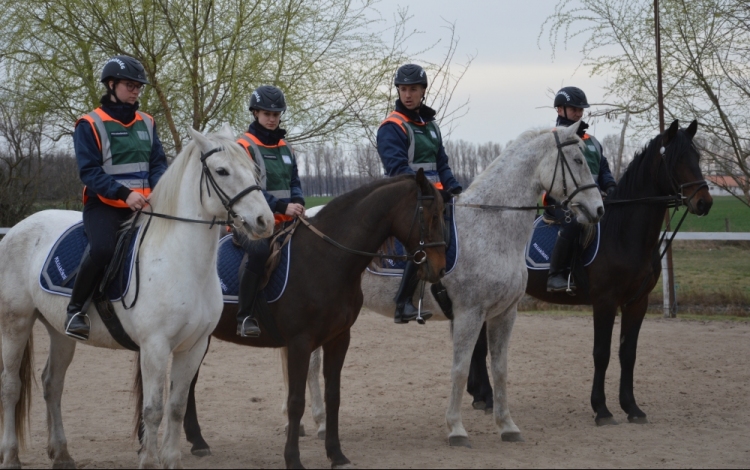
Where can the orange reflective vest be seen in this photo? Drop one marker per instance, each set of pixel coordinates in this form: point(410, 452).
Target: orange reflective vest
point(126, 158)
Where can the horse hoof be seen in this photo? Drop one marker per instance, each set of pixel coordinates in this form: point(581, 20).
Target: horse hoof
point(512, 437)
point(488, 410)
point(637, 419)
point(459, 441)
point(608, 421)
point(479, 405)
point(322, 434)
point(206, 452)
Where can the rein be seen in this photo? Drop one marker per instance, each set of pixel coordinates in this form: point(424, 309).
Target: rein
point(419, 256)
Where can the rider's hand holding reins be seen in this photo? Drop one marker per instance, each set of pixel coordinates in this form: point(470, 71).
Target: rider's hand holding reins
point(136, 201)
point(295, 210)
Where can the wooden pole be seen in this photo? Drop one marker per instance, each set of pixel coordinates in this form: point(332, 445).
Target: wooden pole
point(670, 306)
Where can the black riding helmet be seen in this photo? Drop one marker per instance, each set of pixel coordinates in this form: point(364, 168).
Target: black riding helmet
point(410, 74)
point(268, 98)
point(571, 96)
point(122, 67)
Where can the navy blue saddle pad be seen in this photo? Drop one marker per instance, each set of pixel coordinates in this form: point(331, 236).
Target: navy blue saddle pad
point(59, 270)
point(228, 266)
point(543, 238)
point(389, 267)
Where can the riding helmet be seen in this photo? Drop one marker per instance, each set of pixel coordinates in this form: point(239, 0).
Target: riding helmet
point(124, 67)
point(571, 96)
point(410, 74)
point(268, 98)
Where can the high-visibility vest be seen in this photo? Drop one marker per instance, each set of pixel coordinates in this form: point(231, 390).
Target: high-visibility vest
point(126, 150)
point(592, 150)
point(275, 163)
point(424, 144)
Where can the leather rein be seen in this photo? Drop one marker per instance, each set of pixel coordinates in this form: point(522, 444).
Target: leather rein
point(419, 256)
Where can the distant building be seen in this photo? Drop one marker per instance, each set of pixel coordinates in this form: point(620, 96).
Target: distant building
point(725, 185)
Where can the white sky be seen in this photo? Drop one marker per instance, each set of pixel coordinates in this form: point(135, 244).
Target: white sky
point(511, 74)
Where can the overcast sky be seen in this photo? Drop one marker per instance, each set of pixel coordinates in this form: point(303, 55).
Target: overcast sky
point(511, 74)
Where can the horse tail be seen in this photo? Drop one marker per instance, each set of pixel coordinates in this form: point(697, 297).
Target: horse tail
point(23, 406)
point(138, 395)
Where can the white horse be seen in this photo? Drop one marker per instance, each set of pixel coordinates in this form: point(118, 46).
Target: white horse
point(178, 307)
point(490, 277)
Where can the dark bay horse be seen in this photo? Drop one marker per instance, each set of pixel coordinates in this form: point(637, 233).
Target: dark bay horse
point(627, 266)
point(323, 296)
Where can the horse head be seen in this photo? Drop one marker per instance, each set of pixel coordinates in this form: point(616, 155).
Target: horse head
point(681, 158)
point(566, 176)
point(421, 228)
point(229, 183)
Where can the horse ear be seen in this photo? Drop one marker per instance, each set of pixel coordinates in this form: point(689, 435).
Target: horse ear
point(227, 131)
point(671, 132)
point(204, 144)
point(420, 177)
point(692, 128)
point(572, 130)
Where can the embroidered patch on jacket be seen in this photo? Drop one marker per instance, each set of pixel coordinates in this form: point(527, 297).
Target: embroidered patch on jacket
point(143, 135)
point(269, 157)
point(287, 159)
point(119, 134)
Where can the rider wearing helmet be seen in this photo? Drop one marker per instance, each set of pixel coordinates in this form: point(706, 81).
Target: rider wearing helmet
point(120, 160)
point(264, 143)
point(570, 103)
point(409, 139)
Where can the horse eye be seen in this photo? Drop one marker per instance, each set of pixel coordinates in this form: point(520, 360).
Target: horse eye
point(578, 160)
point(222, 172)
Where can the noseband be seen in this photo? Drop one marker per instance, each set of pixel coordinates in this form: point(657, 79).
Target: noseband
point(565, 164)
point(226, 201)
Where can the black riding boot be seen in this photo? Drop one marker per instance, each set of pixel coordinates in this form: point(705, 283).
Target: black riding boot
point(77, 323)
point(405, 310)
point(559, 263)
point(247, 326)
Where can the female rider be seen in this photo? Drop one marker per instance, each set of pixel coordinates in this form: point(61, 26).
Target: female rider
point(120, 159)
point(409, 139)
point(264, 143)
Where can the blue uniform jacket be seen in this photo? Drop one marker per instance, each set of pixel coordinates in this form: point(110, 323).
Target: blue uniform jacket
point(295, 185)
point(393, 146)
point(90, 162)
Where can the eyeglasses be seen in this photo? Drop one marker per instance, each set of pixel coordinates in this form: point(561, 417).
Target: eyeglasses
point(132, 86)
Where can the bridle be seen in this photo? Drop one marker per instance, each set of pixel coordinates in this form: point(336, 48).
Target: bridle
point(565, 165)
point(418, 256)
point(226, 201)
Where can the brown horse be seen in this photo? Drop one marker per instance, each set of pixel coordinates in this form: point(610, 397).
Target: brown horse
point(628, 264)
point(323, 296)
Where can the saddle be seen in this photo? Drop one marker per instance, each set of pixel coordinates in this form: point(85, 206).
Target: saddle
point(544, 236)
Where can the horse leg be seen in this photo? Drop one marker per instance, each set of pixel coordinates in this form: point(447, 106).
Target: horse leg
point(191, 426)
point(316, 397)
point(478, 384)
point(604, 320)
point(334, 353)
point(298, 364)
point(632, 319)
point(499, 329)
point(285, 372)
point(185, 365)
point(466, 328)
point(154, 358)
point(61, 351)
point(15, 380)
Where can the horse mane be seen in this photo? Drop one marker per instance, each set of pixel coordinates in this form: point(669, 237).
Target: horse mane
point(340, 203)
point(510, 150)
point(641, 176)
point(165, 196)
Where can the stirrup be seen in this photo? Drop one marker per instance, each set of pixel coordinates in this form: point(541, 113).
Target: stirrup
point(80, 334)
point(251, 330)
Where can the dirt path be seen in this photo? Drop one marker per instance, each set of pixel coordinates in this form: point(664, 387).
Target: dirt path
point(692, 379)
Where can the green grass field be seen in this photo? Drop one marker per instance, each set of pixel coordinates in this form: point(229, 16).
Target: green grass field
point(725, 207)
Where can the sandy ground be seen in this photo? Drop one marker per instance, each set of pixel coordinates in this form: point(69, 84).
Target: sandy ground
point(692, 379)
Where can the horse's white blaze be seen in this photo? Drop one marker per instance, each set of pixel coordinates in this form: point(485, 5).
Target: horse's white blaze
point(179, 303)
point(490, 278)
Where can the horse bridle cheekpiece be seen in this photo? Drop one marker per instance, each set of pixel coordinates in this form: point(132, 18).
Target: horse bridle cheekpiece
point(565, 164)
point(422, 229)
point(226, 201)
